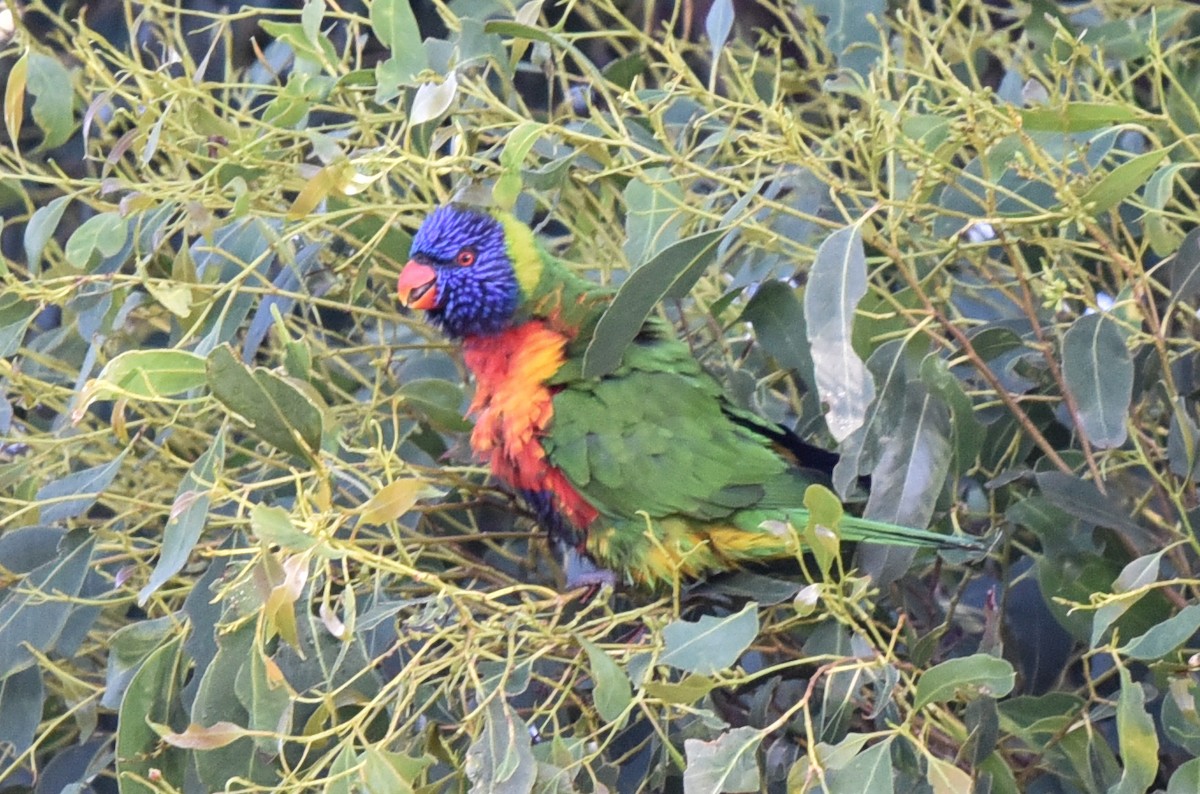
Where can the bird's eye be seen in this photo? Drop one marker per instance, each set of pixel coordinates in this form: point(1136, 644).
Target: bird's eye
point(466, 257)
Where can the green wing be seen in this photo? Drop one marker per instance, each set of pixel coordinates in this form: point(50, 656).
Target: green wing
point(656, 436)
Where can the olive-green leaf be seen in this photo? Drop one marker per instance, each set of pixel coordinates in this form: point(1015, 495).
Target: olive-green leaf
point(151, 697)
point(277, 411)
point(1078, 116)
point(15, 316)
point(726, 764)
point(42, 225)
point(979, 674)
point(1098, 371)
point(673, 271)
point(1136, 739)
point(711, 643)
point(1121, 182)
point(53, 109)
point(612, 691)
point(104, 234)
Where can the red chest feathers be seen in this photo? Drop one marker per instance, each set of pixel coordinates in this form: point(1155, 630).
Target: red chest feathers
point(512, 408)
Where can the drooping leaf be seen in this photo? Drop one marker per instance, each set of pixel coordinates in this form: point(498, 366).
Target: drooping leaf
point(612, 692)
point(673, 270)
point(711, 643)
point(151, 697)
point(21, 697)
point(778, 319)
point(41, 228)
point(187, 518)
point(1136, 738)
point(836, 284)
point(501, 759)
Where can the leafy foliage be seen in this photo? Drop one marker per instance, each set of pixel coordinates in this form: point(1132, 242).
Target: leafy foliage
point(242, 547)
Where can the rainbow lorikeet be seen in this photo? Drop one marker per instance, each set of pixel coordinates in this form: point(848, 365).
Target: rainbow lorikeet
point(649, 469)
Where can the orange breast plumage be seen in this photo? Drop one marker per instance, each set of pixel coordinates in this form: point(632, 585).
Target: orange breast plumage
point(513, 406)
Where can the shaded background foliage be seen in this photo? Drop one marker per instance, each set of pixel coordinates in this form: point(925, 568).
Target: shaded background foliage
point(243, 546)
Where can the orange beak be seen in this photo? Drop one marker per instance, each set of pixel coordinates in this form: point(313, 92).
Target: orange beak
point(417, 286)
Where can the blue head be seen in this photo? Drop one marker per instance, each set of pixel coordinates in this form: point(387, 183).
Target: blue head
point(460, 271)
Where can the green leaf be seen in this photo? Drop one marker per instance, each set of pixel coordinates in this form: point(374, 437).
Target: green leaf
point(38, 606)
point(1136, 739)
point(778, 319)
point(273, 525)
point(278, 412)
point(395, 499)
point(1163, 237)
point(22, 697)
point(153, 375)
point(727, 764)
point(1166, 636)
point(1185, 269)
point(519, 143)
point(613, 692)
point(1135, 575)
point(979, 674)
point(1078, 116)
point(501, 759)
point(151, 697)
point(189, 513)
point(869, 772)
point(672, 271)
point(104, 234)
point(1121, 182)
point(15, 316)
point(42, 225)
point(396, 26)
point(654, 216)
point(128, 647)
point(711, 643)
point(53, 110)
point(836, 283)
point(684, 693)
point(83, 487)
point(907, 479)
point(1186, 778)
point(1082, 499)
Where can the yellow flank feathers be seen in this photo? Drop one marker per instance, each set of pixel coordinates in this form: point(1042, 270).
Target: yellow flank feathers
point(522, 251)
point(674, 549)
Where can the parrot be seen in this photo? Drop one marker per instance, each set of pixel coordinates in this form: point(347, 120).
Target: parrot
point(651, 471)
